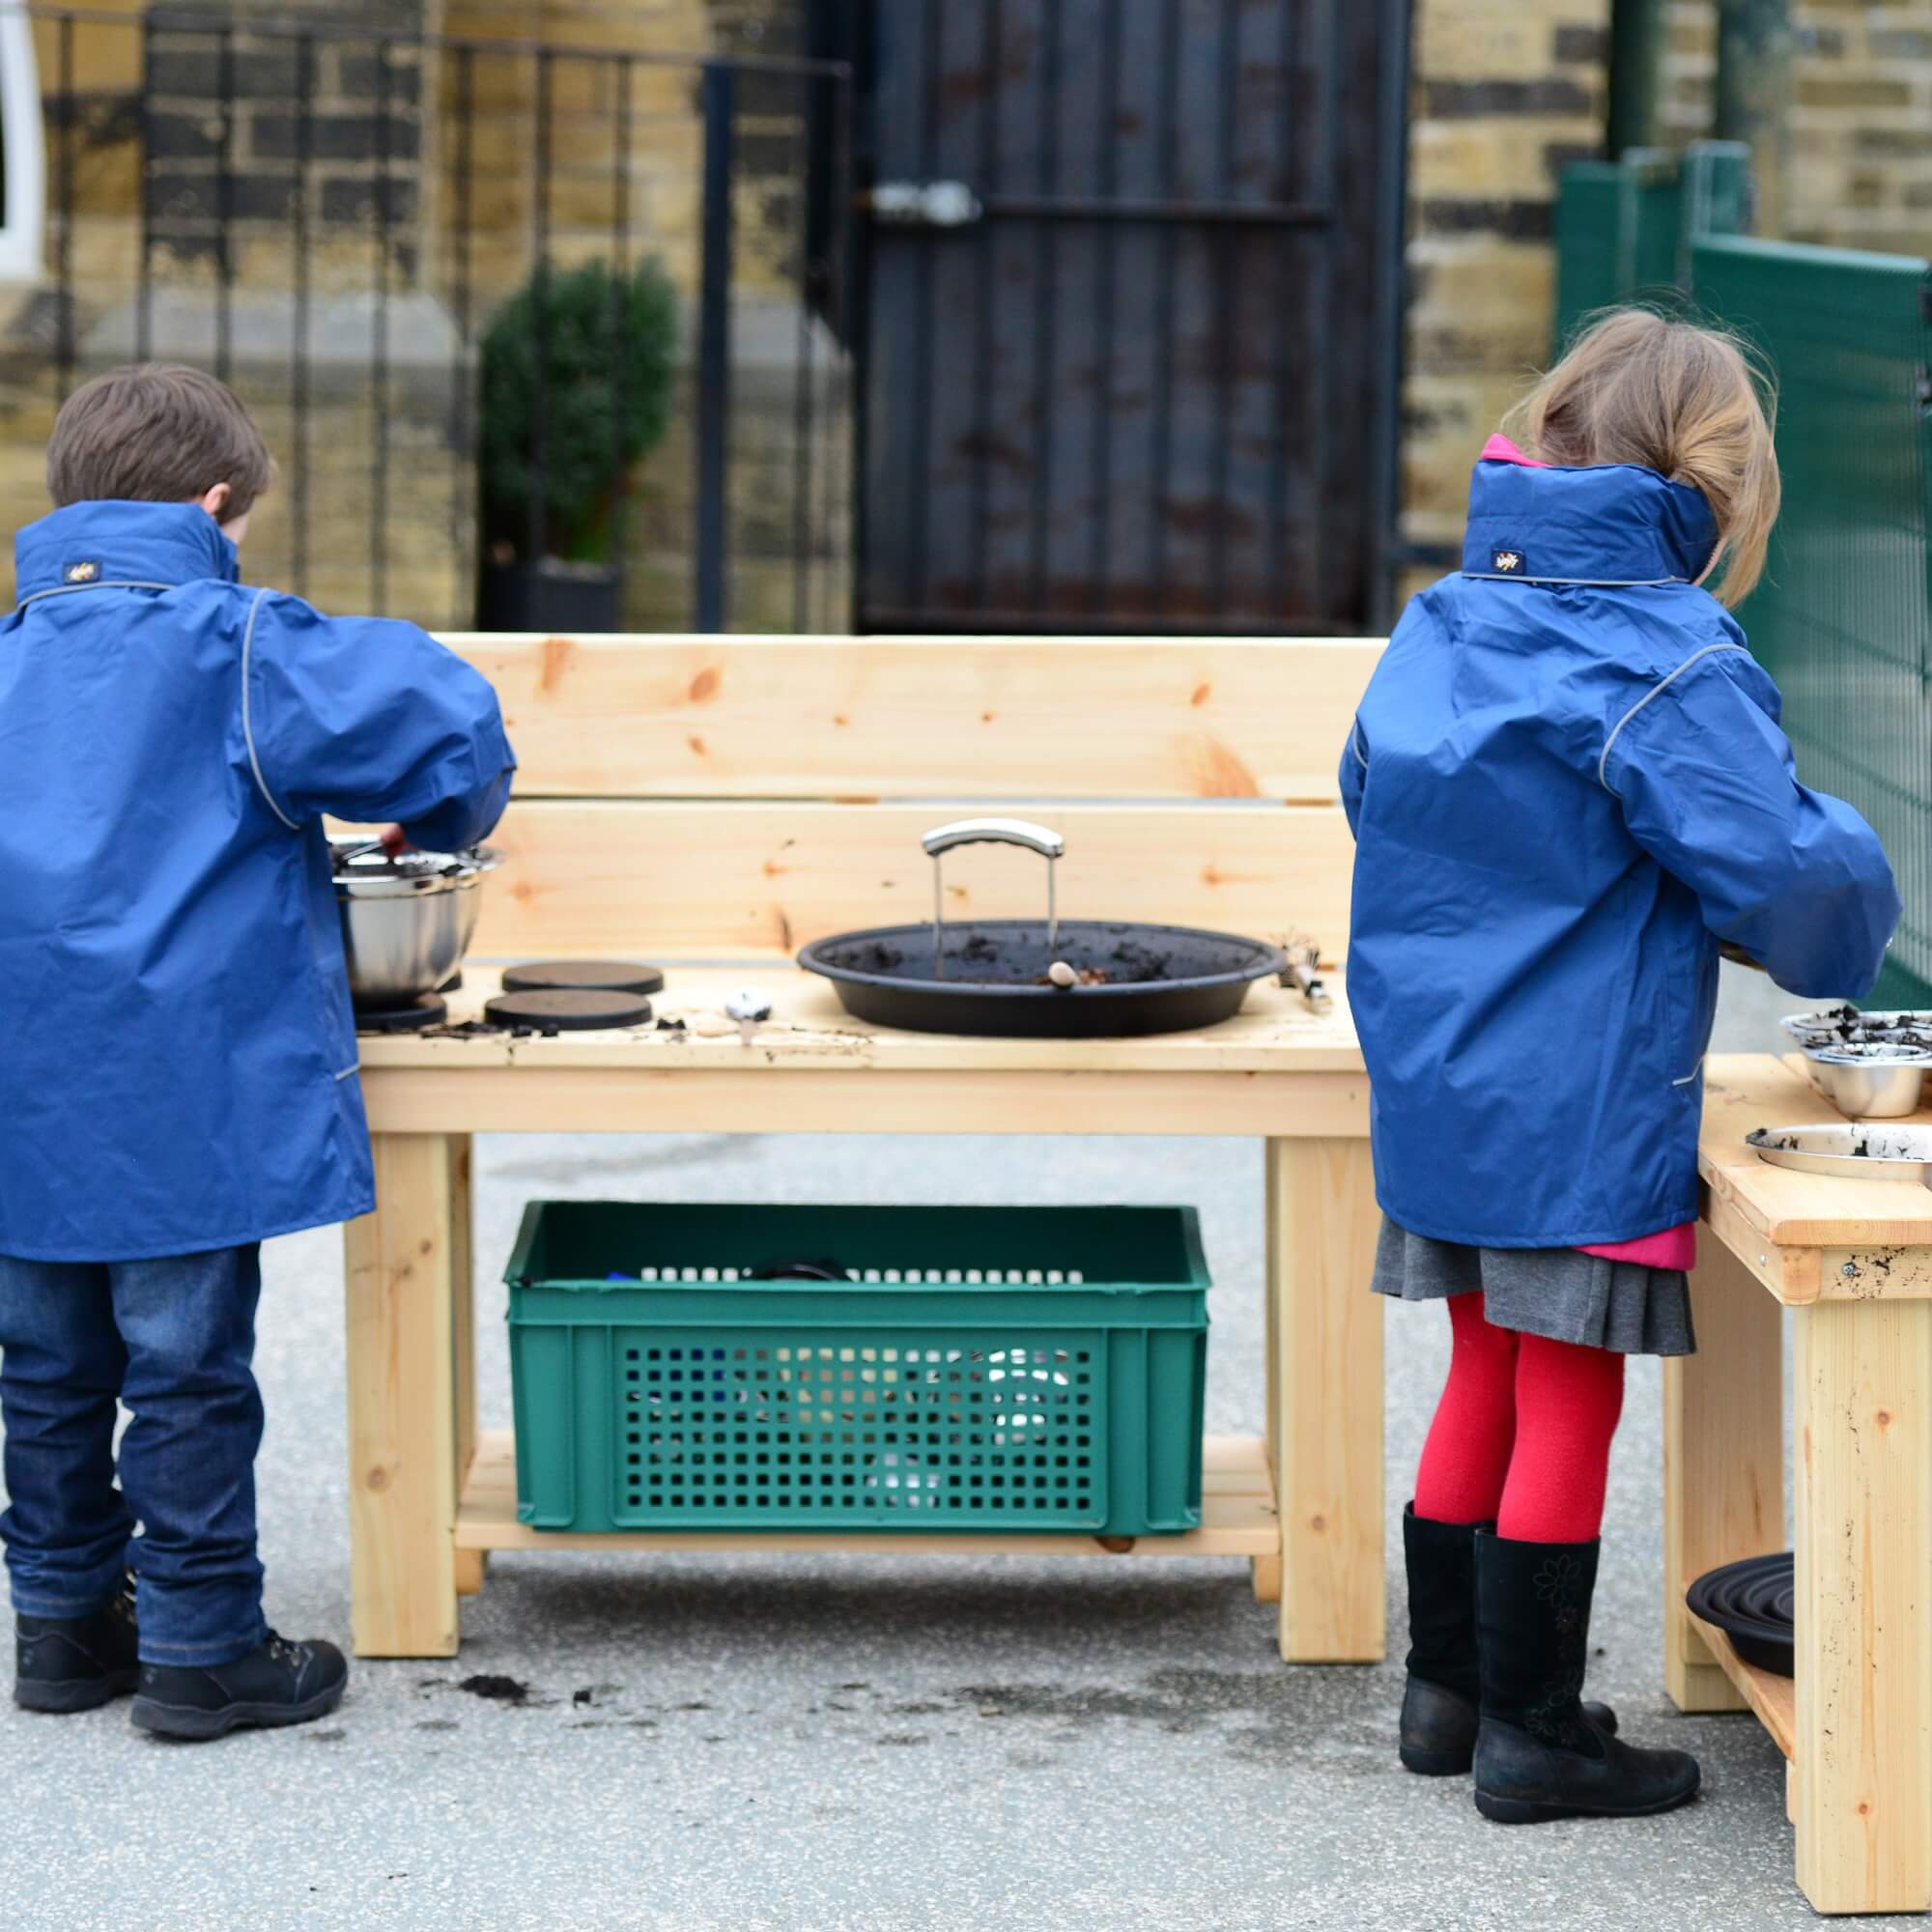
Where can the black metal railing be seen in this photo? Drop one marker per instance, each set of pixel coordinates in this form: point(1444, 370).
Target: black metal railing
point(334, 216)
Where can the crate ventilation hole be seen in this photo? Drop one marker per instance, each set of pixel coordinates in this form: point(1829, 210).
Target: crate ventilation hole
point(934, 1277)
point(819, 1429)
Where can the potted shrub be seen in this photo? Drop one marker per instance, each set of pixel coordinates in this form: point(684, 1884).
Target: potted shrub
point(591, 357)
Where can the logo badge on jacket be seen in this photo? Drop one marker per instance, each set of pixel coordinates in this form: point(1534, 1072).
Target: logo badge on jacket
point(84, 572)
point(1508, 562)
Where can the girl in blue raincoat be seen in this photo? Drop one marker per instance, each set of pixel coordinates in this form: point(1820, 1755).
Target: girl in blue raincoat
point(1569, 787)
point(181, 1076)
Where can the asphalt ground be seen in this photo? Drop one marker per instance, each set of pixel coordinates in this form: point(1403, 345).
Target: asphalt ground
point(736, 1741)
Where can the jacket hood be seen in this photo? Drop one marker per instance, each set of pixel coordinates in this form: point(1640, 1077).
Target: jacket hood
point(1616, 523)
point(158, 545)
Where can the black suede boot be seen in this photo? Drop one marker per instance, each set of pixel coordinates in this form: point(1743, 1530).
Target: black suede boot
point(1439, 1705)
point(278, 1683)
point(1538, 1753)
point(77, 1664)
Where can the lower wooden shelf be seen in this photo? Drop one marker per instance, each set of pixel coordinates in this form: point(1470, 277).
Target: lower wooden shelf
point(1238, 1519)
point(1773, 1698)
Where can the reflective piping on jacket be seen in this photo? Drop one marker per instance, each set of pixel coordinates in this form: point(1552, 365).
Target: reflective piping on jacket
point(248, 720)
point(1355, 740)
point(350, 1073)
point(1598, 583)
point(1693, 1074)
point(103, 583)
point(1602, 763)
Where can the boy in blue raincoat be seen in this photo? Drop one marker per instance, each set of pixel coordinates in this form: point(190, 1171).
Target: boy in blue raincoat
point(181, 1070)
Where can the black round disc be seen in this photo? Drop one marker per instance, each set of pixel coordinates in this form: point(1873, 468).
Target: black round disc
point(427, 1011)
point(568, 1011)
point(1751, 1602)
point(583, 976)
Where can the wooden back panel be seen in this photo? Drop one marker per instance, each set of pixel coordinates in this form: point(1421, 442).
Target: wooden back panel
point(958, 718)
point(651, 816)
point(728, 881)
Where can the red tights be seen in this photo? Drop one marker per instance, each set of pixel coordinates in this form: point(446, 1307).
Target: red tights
point(1523, 1432)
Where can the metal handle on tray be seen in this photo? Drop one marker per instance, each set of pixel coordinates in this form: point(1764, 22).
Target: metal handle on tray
point(1040, 838)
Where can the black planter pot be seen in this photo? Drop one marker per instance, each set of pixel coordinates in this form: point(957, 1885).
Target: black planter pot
point(549, 595)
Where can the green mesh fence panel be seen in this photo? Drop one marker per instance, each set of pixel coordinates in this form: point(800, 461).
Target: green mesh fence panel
point(1617, 226)
point(1843, 619)
point(1625, 228)
point(1589, 218)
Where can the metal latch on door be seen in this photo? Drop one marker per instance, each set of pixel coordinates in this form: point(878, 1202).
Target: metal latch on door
point(939, 204)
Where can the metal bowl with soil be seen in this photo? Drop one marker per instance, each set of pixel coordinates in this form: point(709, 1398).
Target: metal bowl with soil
point(1041, 978)
point(1848, 1151)
point(1846, 1026)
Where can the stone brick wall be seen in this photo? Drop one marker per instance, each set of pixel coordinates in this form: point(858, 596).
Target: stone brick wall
point(1505, 91)
point(456, 248)
point(1862, 125)
point(1505, 94)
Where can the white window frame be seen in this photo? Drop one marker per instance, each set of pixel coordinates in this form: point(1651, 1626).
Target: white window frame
point(23, 221)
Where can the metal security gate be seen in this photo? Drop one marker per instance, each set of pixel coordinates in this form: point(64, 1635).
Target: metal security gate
point(1130, 313)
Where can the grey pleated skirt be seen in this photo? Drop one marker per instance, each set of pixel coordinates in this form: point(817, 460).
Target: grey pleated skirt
point(1560, 1292)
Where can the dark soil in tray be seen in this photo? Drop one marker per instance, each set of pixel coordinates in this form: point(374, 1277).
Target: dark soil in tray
point(1016, 953)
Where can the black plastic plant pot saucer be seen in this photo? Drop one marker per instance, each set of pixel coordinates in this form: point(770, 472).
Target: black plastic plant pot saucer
point(1132, 980)
point(1751, 1602)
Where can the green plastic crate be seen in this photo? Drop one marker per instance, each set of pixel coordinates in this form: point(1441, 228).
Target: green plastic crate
point(978, 1369)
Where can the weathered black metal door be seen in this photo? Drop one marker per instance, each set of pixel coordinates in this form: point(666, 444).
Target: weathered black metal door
point(1132, 275)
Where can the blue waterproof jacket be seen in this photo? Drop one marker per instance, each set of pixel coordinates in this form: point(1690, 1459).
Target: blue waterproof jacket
point(176, 1055)
point(1568, 784)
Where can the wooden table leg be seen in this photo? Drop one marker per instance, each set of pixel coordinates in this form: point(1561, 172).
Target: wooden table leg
point(470, 1564)
point(1862, 1386)
point(1325, 1399)
point(1723, 1458)
point(403, 1402)
point(1266, 1571)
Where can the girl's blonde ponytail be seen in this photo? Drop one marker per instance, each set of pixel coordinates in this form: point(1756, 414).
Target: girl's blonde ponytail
point(1670, 396)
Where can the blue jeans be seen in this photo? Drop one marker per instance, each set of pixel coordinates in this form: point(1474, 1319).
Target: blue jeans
point(173, 1340)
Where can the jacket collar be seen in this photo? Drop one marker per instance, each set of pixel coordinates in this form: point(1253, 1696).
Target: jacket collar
point(1617, 524)
point(121, 543)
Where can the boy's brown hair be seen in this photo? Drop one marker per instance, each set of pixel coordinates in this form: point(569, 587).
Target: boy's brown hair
point(156, 433)
point(1690, 402)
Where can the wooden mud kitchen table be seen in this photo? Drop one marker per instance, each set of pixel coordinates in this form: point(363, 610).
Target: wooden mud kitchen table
point(1853, 1261)
point(698, 801)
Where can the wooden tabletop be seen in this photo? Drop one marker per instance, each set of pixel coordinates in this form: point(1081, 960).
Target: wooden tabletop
point(1275, 1031)
point(1782, 1223)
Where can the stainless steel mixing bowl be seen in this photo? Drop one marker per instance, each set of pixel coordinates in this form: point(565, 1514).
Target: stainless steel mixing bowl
point(1874, 1081)
point(407, 922)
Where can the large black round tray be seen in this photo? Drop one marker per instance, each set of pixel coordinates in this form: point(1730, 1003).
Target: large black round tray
point(1751, 1603)
point(1158, 979)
